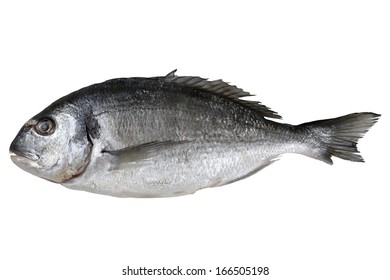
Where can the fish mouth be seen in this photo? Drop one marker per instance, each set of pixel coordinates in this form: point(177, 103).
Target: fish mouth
point(18, 153)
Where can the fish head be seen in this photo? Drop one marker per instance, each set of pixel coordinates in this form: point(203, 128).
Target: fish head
point(53, 145)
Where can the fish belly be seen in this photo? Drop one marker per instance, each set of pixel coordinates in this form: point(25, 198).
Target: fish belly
point(178, 171)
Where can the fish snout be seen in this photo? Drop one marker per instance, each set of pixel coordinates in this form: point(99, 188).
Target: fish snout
point(16, 150)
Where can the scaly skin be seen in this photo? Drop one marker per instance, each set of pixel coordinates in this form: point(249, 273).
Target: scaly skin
point(226, 140)
point(169, 136)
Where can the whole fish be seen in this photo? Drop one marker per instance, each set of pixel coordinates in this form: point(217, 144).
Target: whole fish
point(169, 136)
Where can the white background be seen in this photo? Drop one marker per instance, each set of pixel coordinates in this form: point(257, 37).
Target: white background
point(304, 219)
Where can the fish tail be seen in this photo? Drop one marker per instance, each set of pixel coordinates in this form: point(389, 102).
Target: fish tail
point(338, 137)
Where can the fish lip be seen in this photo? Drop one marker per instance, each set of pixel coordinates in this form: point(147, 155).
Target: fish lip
point(18, 153)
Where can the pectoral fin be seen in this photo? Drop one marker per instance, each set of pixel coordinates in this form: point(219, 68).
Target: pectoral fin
point(142, 152)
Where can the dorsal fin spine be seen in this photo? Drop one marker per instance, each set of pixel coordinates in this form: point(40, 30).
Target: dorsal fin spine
point(222, 89)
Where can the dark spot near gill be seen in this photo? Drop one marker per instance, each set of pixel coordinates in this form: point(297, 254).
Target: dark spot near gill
point(93, 127)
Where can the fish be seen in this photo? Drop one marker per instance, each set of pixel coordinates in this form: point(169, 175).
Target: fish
point(170, 135)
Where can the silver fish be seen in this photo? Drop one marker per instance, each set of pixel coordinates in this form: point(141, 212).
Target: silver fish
point(169, 136)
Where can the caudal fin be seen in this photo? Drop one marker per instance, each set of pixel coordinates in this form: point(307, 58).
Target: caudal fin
point(339, 136)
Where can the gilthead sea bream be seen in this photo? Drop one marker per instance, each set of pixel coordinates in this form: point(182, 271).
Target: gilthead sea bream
point(169, 136)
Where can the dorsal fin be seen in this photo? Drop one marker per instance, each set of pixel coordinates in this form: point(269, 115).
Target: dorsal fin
point(223, 89)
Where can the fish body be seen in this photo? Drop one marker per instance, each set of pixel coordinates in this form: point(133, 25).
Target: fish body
point(169, 136)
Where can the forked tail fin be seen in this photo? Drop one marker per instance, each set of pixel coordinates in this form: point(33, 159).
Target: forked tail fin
point(339, 136)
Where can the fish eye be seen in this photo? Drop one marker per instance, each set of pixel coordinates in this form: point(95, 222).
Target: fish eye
point(45, 126)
